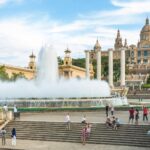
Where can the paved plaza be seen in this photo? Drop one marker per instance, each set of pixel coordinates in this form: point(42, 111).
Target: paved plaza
point(98, 116)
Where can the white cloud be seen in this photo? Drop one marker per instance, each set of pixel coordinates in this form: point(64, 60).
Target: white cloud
point(2, 2)
point(20, 36)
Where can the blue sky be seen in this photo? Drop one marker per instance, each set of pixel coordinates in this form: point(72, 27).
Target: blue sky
point(26, 25)
point(57, 9)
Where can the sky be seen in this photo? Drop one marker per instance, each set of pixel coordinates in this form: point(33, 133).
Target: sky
point(27, 25)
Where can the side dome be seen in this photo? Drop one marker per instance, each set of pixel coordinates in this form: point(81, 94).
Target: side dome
point(97, 46)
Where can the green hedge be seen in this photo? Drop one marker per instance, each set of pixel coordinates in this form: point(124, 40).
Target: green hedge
point(146, 86)
point(118, 108)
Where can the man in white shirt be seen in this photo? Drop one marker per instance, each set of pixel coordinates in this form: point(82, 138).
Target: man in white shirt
point(15, 112)
point(67, 120)
point(15, 109)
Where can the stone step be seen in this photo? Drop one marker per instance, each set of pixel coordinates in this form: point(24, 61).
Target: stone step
point(132, 135)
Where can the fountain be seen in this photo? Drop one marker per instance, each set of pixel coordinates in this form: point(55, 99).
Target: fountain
point(48, 90)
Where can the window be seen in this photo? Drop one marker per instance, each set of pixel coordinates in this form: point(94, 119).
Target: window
point(139, 61)
point(145, 53)
point(145, 61)
point(132, 54)
point(139, 53)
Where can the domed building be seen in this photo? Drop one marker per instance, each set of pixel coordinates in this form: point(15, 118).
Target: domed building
point(139, 57)
point(144, 45)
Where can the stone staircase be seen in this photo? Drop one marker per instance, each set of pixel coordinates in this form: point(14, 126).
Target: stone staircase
point(129, 135)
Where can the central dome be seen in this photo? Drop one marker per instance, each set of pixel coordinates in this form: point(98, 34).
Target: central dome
point(146, 27)
point(145, 32)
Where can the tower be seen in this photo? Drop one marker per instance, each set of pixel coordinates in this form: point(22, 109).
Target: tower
point(147, 21)
point(118, 41)
point(67, 58)
point(97, 50)
point(125, 43)
point(32, 64)
point(97, 46)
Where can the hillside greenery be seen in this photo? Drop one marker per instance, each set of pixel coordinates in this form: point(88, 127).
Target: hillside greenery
point(5, 77)
point(104, 60)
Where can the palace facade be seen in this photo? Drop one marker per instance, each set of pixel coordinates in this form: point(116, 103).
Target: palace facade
point(66, 70)
point(137, 59)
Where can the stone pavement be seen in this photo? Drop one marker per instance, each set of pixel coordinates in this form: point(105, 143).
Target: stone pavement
point(43, 145)
point(98, 116)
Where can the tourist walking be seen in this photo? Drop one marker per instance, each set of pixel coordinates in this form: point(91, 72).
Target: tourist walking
point(5, 110)
point(107, 109)
point(13, 135)
point(131, 114)
point(67, 120)
point(84, 135)
point(112, 110)
point(145, 113)
point(15, 109)
point(15, 112)
point(136, 116)
point(3, 135)
point(88, 126)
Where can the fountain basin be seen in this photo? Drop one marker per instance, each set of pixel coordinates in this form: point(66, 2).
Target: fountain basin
point(66, 102)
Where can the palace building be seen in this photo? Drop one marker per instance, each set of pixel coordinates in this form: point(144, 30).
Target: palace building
point(137, 58)
point(67, 70)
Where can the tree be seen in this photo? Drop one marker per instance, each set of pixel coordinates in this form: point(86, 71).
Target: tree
point(3, 74)
point(60, 61)
point(80, 62)
point(148, 80)
point(16, 76)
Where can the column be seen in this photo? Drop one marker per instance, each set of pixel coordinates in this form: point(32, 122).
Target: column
point(122, 59)
point(110, 51)
point(99, 65)
point(87, 64)
point(133, 86)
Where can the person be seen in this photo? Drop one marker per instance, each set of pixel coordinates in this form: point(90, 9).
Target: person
point(84, 135)
point(113, 122)
point(13, 135)
point(84, 119)
point(112, 110)
point(107, 109)
point(145, 113)
point(15, 109)
point(136, 116)
point(117, 124)
point(5, 110)
point(108, 122)
point(88, 129)
point(131, 114)
point(3, 133)
point(15, 112)
point(67, 120)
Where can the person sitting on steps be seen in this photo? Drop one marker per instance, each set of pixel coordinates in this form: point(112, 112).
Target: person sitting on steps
point(84, 119)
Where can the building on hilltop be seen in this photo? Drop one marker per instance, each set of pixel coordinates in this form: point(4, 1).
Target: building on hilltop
point(67, 70)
